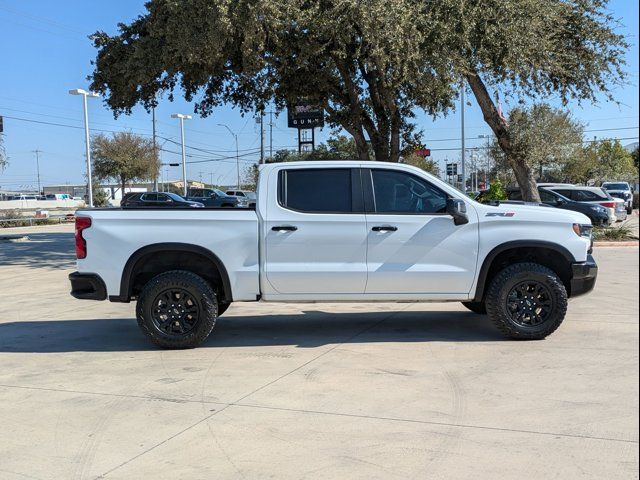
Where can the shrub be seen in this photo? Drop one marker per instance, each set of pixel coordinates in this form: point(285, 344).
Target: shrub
point(636, 196)
point(614, 234)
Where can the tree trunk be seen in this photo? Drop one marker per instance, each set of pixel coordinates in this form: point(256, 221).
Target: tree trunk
point(522, 171)
point(123, 184)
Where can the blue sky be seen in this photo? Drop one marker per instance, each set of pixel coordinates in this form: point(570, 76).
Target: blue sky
point(44, 52)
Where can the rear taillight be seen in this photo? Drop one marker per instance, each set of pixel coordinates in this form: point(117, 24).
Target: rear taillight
point(608, 204)
point(82, 223)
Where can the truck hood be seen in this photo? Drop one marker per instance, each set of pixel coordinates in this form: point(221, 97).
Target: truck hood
point(529, 213)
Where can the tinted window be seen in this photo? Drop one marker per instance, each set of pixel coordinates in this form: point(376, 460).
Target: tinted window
point(400, 192)
point(163, 198)
point(316, 190)
point(585, 195)
point(615, 186)
point(515, 195)
point(149, 197)
point(548, 197)
point(175, 197)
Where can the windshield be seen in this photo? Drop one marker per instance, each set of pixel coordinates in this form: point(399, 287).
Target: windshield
point(175, 197)
point(615, 186)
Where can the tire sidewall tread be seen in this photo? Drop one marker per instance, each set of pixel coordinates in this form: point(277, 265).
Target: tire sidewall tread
point(505, 280)
point(196, 286)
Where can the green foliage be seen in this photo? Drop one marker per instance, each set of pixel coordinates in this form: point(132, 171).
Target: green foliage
point(634, 155)
point(426, 164)
point(544, 137)
point(124, 157)
point(370, 64)
point(618, 233)
point(600, 161)
point(100, 196)
point(496, 191)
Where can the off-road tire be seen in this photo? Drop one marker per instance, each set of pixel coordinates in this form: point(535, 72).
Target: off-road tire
point(476, 307)
point(204, 298)
point(506, 281)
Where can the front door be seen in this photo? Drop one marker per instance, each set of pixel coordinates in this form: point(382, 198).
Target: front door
point(316, 232)
point(413, 245)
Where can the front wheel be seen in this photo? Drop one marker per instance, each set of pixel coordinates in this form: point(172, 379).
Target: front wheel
point(526, 301)
point(629, 210)
point(177, 309)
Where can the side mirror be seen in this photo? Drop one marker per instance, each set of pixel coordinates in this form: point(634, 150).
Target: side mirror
point(458, 210)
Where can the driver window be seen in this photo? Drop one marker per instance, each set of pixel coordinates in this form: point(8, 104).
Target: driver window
point(401, 192)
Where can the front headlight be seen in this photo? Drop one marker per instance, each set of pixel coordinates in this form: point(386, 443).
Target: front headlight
point(583, 230)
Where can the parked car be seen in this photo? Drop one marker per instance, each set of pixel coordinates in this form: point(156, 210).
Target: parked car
point(212, 197)
point(248, 196)
point(337, 231)
point(156, 199)
point(598, 214)
point(591, 196)
point(621, 190)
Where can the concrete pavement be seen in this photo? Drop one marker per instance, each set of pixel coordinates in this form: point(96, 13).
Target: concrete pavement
point(311, 391)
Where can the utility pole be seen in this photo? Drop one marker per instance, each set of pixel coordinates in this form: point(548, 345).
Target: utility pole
point(271, 134)
point(261, 136)
point(153, 120)
point(38, 152)
point(464, 177)
point(235, 135)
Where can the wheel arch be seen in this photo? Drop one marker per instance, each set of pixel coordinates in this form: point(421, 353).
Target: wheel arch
point(173, 256)
point(549, 254)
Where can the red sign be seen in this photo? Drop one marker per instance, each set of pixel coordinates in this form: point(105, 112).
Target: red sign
point(423, 152)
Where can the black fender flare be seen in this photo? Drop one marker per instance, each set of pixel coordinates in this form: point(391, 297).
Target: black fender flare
point(130, 266)
point(503, 247)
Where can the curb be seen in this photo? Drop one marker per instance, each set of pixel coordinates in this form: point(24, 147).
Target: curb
point(633, 243)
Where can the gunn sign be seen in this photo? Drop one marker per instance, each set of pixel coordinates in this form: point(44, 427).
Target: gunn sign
point(303, 115)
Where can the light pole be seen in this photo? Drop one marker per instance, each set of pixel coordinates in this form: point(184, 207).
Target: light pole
point(237, 155)
point(182, 118)
point(464, 177)
point(87, 141)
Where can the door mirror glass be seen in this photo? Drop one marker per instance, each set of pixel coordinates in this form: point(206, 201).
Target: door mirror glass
point(458, 210)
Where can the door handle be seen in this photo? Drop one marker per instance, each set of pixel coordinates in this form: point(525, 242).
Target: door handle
point(284, 228)
point(384, 228)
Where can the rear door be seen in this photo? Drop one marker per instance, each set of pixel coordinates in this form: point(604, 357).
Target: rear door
point(316, 232)
point(413, 245)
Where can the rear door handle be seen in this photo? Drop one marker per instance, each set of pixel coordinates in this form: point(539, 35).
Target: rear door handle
point(384, 228)
point(284, 228)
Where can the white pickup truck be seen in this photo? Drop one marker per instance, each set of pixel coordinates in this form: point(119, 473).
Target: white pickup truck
point(336, 231)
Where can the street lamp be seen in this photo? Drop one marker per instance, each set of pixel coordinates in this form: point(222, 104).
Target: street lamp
point(85, 94)
point(182, 118)
point(237, 155)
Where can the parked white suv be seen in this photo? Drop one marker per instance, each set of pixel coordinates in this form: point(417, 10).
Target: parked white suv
point(336, 231)
point(621, 190)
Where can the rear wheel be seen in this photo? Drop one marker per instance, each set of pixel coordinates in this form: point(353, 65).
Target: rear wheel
point(629, 210)
point(177, 309)
point(476, 307)
point(526, 301)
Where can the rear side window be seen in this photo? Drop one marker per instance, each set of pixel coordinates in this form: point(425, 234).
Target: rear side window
point(149, 197)
point(321, 190)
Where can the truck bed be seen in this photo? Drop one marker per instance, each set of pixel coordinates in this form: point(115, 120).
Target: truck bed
point(118, 233)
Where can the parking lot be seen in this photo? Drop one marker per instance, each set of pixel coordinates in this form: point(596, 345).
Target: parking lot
point(311, 390)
